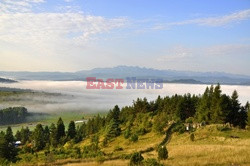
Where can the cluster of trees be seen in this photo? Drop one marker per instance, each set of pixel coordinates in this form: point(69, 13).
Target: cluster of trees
point(215, 107)
point(8, 151)
point(141, 117)
point(13, 115)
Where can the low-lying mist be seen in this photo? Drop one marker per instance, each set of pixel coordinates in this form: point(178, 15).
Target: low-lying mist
point(73, 95)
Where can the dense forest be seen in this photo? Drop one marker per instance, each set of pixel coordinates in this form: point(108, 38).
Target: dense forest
point(13, 115)
point(212, 107)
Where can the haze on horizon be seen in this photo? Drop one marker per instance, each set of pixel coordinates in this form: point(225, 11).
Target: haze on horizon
point(73, 35)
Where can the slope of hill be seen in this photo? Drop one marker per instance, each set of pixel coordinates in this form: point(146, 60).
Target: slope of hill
point(5, 80)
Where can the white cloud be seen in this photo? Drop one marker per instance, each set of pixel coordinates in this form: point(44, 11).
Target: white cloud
point(35, 40)
point(26, 26)
point(10, 6)
point(209, 21)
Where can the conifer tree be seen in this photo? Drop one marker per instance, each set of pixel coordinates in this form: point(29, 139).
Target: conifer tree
point(60, 129)
point(38, 136)
point(46, 134)
point(71, 130)
point(235, 107)
point(53, 135)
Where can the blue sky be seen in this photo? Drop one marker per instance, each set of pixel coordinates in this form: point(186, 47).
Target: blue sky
point(71, 35)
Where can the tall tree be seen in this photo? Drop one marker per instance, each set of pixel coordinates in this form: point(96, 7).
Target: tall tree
point(71, 130)
point(203, 108)
point(242, 118)
point(25, 135)
point(11, 152)
point(46, 133)
point(3, 147)
point(216, 106)
point(38, 136)
point(53, 135)
point(9, 135)
point(235, 107)
point(60, 129)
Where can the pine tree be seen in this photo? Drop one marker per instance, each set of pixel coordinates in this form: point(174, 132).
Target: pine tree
point(9, 135)
point(203, 108)
point(60, 129)
point(53, 135)
point(235, 107)
point(216, 106)
point(162, 153)
point(25, 134)
point(46, 134)
point(38, 136)
point(113, 129)
point(242, 118)
point(3, 147)
point(248, 112)
point(18, 135)
point(11, 152)
point(71, 130)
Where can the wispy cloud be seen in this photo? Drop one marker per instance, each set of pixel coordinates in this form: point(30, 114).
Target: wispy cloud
point(18, 24)
point(209, 21)
point(10, 6)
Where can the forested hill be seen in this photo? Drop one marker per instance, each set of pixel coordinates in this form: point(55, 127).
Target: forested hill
point(4, 80)
point(13, 115)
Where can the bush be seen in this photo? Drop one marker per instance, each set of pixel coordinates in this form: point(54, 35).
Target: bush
point(134, 138)
point(162, 153)
point(189, 120)
point(118, 148)
point(136, 159)
point(223, 127)
point(127, 133)
point(192, 136)
point(151, 162)
point(180, 128)
point(141, 131)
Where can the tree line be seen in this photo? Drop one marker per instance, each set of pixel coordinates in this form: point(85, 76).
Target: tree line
point(13, 115)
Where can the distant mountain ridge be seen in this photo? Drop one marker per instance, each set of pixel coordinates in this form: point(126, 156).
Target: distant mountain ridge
point(135, 71)
point(5, 80)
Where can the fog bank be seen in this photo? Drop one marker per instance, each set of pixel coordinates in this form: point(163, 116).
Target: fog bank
point(75, 96)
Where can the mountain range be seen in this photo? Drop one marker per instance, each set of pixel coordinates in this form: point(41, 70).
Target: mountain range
point(172, 76)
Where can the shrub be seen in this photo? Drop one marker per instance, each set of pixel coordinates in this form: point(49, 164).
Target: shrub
point(151, 162)
point(134, 138)
point(223, 128)
point(192, 136)
point(162, 153)
point(141, 131)
point(127, 133)
point(180, 128)
point(189, 120)
point(136, 159)
point(118, 148)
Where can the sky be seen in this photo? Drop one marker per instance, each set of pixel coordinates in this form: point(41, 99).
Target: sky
point(73, 35)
